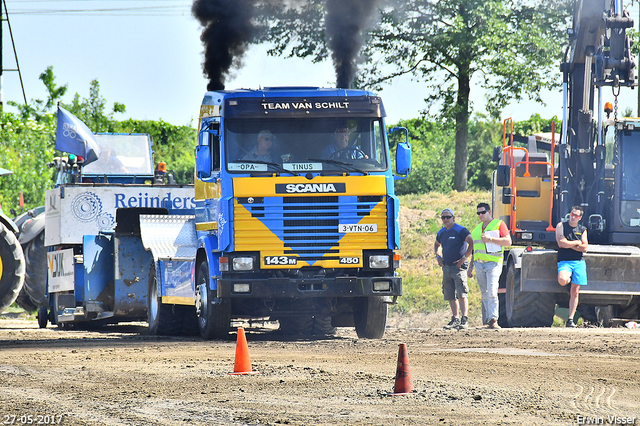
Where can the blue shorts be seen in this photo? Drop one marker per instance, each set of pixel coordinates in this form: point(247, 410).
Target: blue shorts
point(578, 269)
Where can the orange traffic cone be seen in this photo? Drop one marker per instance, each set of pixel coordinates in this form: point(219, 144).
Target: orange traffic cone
point(403, 385)
point(242, 365)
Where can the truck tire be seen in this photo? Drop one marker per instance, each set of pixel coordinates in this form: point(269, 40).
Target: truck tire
point(12, 267)
point(163, 319)
point(43, 317)
point(35, 278)
point(370, 317)
point(526, 309)
point(214, 319)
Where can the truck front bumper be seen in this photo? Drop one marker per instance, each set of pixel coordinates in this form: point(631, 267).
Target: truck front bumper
point(276, 288)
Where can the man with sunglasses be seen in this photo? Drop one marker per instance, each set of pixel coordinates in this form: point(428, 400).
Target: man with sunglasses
point(490, 238)
point(572, 241)
point(456, 244)
point(262, 150)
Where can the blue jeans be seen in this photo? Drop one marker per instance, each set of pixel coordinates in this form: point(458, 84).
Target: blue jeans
point(488, 275)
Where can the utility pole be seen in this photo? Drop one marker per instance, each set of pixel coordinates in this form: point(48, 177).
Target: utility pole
point(2, 69)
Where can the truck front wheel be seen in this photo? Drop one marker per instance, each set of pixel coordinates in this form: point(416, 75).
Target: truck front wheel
point(214, 316)
point(370, 317)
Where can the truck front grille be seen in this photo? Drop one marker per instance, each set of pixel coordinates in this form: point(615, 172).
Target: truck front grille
point(307, 227)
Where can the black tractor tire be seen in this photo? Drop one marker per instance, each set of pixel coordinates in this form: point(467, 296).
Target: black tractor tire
point(24, 301)
point(527, 309)
point(322, 326)
point(605, 314)
point(12, 267)
point(189, 321)
point(214, 319)
point(304, 325)
point(163, 319)
point(298, 325)
point(370, 317)
point(35, 279)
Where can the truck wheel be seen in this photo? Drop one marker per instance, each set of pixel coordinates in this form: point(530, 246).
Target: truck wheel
point(370, 317)
point(11, 268)
point(35, 278)
point(214, 319)
point(163, 319)
point(527, 309)
point(43, 317)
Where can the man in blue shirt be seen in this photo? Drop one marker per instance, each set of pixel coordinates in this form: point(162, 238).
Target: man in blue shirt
point(456, 245)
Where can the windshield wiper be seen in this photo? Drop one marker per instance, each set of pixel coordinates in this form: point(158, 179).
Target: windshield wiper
point(349, 166)
point(268, 163)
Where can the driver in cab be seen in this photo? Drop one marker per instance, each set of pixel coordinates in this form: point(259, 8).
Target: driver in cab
point(340, 148)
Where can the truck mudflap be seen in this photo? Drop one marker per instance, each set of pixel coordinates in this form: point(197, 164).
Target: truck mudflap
point(276, 288)
point(610, 270)
point(169, 237)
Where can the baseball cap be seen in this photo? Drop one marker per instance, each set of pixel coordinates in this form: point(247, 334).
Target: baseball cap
point(448, 211)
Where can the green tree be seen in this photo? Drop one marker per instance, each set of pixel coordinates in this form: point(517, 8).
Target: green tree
point(511, 45)
point(91, 110)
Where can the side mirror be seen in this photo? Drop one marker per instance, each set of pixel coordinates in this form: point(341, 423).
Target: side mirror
point(403, 159)
point(503, 175)
point(403, 155)
point(497, 154)
point(203, 161)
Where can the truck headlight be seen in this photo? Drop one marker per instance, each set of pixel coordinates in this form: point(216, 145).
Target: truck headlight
point(379, 261)
point(243, 263)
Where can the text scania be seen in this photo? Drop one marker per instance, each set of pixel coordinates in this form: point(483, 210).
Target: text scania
point(295, 188)
point(126, 200)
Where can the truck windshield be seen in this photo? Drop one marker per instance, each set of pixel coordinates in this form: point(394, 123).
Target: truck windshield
point(121, 154)
point(305, 145)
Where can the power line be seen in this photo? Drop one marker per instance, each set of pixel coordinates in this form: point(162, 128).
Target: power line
point(177, 8)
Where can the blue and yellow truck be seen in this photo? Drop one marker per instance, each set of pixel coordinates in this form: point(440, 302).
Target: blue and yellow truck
point(295, 216)
point(293, 219)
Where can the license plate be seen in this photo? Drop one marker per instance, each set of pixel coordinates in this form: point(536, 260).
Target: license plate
point(357, 228)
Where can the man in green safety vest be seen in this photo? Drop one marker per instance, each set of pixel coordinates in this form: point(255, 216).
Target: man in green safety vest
point(490, 238)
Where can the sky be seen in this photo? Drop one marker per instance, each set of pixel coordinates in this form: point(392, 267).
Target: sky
point(147, 55)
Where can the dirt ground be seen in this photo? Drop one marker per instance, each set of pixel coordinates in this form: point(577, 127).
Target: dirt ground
point(120, 376)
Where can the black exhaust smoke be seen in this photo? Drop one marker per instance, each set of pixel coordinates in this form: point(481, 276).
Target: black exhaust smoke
point(229, 29)
point(346, 24)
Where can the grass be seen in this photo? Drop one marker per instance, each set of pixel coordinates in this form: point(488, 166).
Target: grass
point(419, 224)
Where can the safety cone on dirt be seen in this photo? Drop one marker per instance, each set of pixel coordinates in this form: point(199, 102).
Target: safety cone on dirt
point(404, 384)
point(242, 365)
